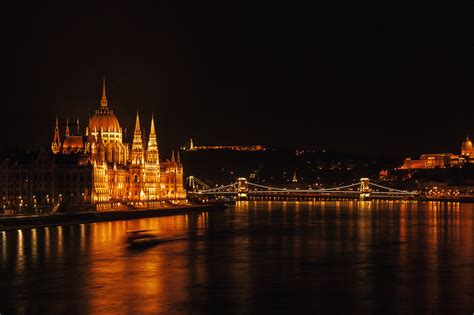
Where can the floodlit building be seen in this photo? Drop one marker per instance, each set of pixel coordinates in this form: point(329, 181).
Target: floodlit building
point(192, 147)
point(121, 172)
point(442, 160)
point(466, 149)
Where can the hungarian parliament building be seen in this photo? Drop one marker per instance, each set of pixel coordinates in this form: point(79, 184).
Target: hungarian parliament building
point(97, 168)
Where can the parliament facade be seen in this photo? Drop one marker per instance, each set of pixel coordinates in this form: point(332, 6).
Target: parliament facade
point(97, 168)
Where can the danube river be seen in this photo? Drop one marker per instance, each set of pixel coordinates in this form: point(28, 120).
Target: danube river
point(264, 257)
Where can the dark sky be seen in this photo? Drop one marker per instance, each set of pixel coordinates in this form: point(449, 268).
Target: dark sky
point(379, 76)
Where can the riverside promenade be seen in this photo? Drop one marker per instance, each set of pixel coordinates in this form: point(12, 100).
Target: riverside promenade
point(32, 221)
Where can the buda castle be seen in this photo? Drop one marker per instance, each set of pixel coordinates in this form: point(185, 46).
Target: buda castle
point(442, 160)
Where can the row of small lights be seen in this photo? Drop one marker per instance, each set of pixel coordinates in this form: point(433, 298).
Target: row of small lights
point(434, 191)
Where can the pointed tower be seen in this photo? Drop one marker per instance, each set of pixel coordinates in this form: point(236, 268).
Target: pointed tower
point(137, 167)
point(191, 145)
point(172, 156)
point(103, 101)
point(78, 127)
point(68, 133)
point(136, 155)
point(152, 165)
point(56, 145)
point(179, 177)
point(295, 179)
point(152, 156)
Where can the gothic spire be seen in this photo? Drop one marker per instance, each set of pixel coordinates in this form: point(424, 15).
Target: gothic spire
point(152, 127)
point(137, 145)
point(152, 147)
point(56, 140)
point(178, 159)
point(67, 126)
point(172, 155)
point(152, 143)
point(138, 133)
point(103, 101)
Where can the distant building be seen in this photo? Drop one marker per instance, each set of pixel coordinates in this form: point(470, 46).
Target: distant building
point(295, 179)
point(442, 160)
point(466, 149)
point(193, 147)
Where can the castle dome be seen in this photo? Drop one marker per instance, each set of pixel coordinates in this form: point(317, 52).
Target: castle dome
point(466, 148)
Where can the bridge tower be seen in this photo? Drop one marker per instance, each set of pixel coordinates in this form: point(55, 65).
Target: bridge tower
point(242, 188)
point(364, 188)
point(190, 182)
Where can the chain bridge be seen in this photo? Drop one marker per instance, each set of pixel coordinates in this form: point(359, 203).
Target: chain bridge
point(243, 189)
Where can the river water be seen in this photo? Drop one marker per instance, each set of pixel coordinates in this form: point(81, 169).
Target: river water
point(256, 257)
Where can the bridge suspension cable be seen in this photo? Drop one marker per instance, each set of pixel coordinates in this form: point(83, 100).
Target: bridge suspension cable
point(218, 188)
point(303, 190)
point(338, 188)
point(391, 189)
point(266, 187)
point(192, 180)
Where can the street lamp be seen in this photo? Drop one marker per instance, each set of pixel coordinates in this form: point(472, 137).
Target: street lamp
point(35, 204)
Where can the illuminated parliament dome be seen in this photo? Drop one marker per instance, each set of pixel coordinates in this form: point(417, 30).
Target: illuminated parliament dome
point(105, 127)
point(104, 120)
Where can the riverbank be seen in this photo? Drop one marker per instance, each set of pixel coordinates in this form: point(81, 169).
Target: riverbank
point(448, 199)
point(33, 221)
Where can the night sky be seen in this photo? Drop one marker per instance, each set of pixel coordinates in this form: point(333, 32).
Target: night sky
point(388, 77)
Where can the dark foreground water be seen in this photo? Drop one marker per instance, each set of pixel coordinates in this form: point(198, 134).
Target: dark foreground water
point(278, 257)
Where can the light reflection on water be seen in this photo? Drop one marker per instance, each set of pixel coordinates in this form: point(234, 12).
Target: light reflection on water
point(19, 264)
point(256, 257)
point(34, 248)
point(47, 241)
point(4, 247)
